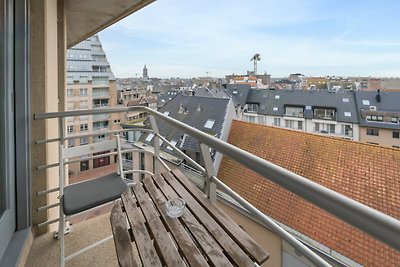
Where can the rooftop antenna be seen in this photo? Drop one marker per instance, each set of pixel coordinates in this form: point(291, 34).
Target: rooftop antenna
point(255, 59)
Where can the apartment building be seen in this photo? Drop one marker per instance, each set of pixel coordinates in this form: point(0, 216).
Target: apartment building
point(319, 112)
point(90, 84)
point(379, 115)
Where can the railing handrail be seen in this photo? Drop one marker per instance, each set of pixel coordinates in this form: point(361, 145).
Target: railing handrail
point(367, 219)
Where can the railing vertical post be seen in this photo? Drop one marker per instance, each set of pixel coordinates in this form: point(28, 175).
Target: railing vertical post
point(156, 163)
point(210, 187)
point(61, 222)
point(119, 156)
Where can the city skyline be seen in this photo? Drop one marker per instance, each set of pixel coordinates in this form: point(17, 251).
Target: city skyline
point(317, 38)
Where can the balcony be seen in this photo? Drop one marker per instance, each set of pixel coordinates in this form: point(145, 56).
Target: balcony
point(350, 211)
point(324, 114)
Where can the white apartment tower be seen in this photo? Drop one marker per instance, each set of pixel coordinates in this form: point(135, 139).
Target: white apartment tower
point(90, 84)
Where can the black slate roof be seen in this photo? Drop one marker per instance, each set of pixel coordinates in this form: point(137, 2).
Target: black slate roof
point(389, 102)
point(273, 102)
point(193, 111)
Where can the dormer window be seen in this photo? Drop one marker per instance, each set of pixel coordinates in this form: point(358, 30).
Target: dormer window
point(324, 114)
point(149, 137)
point(294, 112)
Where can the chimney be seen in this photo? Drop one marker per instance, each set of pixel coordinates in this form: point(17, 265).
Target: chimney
point(378, 96)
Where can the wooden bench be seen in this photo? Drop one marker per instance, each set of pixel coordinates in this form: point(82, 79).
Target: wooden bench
point(204, 235)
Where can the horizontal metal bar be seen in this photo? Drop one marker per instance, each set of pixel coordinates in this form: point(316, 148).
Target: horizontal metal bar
point(47, 223)
point(371, 221)
point(43, 167)
point(48, 207)
point(138, 171)
point(93, 134)
point(79, 252)
point(45, 192)
point(308, 253)
point(48, 140)
point(82, 112)
point(90, 157)
point(180, 153)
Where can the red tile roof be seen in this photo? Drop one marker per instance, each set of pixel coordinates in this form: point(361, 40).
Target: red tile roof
point(369, 174)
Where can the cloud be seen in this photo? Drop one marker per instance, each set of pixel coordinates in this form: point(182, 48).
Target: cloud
point(190, 38)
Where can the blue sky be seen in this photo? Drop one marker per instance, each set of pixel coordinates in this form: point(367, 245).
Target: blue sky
point(178, 38)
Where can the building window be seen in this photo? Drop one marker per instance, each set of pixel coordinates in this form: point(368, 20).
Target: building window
point(289, 124)
point(300, 125)
point(365, 102)
point(99, 138)
point(394, 120)
point(71, 143)
point(166, 113)
point(83, 104)
point(70, 92)
point(347, 114)
point(396, 134)
point(317, 127)
point(294, 112)
point(347, 130)
point(70, 129)
point(209, 124)
point(70, 105)
point(345, 100)
point(249, 119)
point(83, 92)
point(374, 118)
point(396, 147)
point(84, 127)
point(374, 132)
point(84, 140)
point(324, 114)
point(277, 122)
point(84, 165)
point(332, 128)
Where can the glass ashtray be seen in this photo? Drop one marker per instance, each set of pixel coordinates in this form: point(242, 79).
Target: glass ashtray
point(175, 207)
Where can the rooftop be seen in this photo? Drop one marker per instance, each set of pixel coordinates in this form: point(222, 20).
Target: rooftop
point(341, 165)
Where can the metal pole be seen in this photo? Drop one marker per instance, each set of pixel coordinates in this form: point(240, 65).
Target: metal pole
point(156, 156)
point(211, 188)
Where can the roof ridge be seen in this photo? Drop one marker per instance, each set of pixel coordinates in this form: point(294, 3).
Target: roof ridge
point(318, 135)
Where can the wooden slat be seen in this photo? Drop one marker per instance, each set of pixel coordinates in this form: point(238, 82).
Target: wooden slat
point(183, 239)
point(207, 242)
point(240, 236)
point(147, 252)
point(165, 244)
point(121, 237)
point(229, 245)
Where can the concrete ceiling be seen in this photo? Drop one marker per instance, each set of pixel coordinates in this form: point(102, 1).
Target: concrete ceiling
point(87, 17)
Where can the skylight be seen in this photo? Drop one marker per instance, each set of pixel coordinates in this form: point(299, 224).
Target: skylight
point(149, 137)
point(275, 109)
point(347, 114)
point(173, 143)
point(365, 102)
point(209, 124)
point(166, 113)
point(345, 100)
point(277, 96)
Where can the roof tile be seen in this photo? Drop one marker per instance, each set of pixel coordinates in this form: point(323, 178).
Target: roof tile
point(366, 173)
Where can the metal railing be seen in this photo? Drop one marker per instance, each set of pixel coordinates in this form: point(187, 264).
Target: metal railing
point(371, 221)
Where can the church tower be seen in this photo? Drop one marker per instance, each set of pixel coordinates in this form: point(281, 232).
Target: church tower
point(145, 75)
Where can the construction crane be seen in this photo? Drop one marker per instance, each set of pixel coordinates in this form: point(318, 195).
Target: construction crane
point(255, 58)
